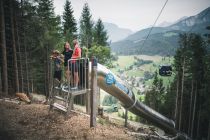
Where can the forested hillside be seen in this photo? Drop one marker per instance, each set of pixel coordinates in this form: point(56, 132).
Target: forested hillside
point(30, 30)
point(162, 40)
point(29, 33)
point(186, 100)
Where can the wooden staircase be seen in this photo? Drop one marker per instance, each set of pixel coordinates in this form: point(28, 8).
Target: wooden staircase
point(62, 97)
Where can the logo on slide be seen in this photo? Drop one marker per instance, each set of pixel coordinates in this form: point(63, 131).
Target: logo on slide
point(110, 79)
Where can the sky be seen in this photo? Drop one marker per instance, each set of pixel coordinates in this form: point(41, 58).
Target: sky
point(135, 14)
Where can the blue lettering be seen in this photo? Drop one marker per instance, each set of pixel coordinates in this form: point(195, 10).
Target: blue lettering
point(121, 87)
point(110, 79)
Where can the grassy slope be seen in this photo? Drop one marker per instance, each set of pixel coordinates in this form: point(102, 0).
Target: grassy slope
point(125, 61)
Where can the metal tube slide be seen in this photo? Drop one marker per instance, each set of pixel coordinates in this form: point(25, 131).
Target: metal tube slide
point(117, 88)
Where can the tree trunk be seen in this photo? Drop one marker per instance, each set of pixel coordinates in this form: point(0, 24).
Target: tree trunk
point(4, 52)
point(14, 47)
point(51, 77)
point(26, 64)
point(177, 104)
point(182, 92)
point(198, 123)
point(32, 86)
point(47, 71)
point(0, 82)
point(194, 109)
point(209, 131)
point(19, 53)
point(45, 75)
point(190, 115)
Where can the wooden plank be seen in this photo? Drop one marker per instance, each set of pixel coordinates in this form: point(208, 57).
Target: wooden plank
point(59, 98)
point(79, 92)
point(60, 107)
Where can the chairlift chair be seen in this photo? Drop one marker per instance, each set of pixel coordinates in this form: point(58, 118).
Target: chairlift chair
point(165, 70)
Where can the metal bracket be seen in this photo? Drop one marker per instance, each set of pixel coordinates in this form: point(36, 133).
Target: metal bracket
point(128, 108)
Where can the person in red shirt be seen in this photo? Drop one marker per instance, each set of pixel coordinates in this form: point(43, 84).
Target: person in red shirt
point(74, 64)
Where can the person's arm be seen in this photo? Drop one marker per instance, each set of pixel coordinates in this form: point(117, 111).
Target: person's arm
point(52, 57)
point(61, 59)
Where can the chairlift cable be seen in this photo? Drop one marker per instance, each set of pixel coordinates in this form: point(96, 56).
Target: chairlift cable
point(154, 23)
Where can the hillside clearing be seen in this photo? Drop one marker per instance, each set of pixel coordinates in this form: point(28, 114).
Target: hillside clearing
point(34, 122)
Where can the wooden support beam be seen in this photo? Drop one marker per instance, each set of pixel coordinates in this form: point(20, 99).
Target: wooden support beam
point(126, 118)
point(94, 90)
point(87, 102)
point(98, 105)
point(87, 95)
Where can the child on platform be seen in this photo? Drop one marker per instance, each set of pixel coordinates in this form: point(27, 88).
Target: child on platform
point(58, 61)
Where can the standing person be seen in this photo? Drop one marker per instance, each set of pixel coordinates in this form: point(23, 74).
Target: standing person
point(58, 60)
point(67, 52)
point(74, 64)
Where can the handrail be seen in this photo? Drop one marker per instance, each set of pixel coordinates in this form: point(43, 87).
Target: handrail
point(77, 66)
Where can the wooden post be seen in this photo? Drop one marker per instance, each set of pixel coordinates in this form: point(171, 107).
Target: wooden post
point(93, 92)
point(99, 97)
point(87, 87)
point(126, 118)
point(98, 100)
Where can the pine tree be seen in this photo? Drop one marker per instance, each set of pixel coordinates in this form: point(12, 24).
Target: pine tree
point(99, 48)
point(180, 66)
point(31, 31)
point(154, 98)
point(99, 34)
point(17, 36)
point(3, 49)
point(207, 93)
point(199, 52)
point(45, 10)
point(69, 22)
point(29, 45)
point(49, 38)
point(190, 67)
point(86, 27)
point(207, 87)
point(168, 106)
point(103, 54)
point(12, 13)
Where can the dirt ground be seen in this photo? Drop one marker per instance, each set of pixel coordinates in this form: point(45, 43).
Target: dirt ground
point(35, 122)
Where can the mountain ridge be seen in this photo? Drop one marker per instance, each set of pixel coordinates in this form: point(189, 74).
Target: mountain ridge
point(115, 32)
point(162, 40)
